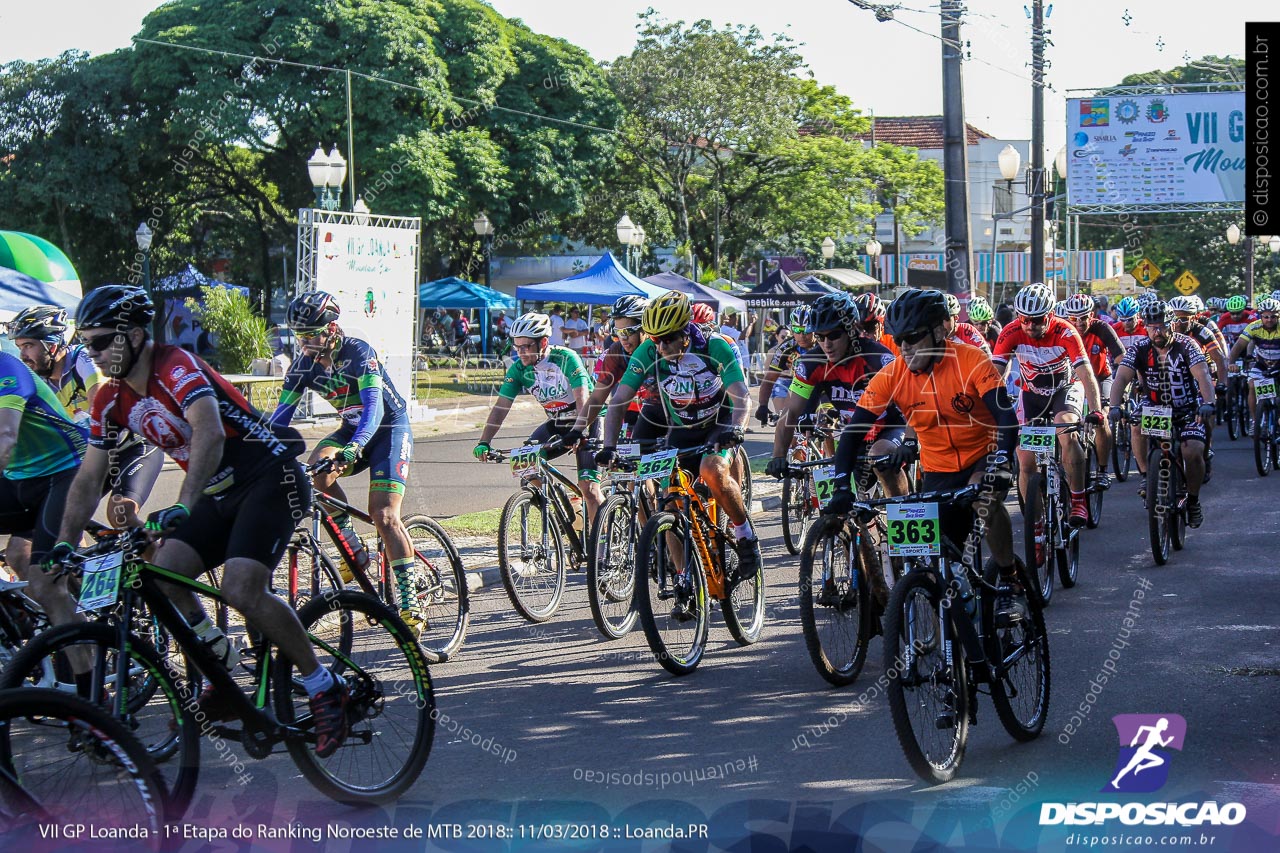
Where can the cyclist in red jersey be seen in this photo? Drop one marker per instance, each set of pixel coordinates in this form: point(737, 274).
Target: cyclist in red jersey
point(1235, 319)
point(1057, 381)
point(243, 493)
point(962, 333)
point(1102, 347)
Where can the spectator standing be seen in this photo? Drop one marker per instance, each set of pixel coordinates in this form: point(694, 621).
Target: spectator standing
point(575, 331)
point(557, 327)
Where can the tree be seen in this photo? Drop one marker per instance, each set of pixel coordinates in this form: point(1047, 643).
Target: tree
point(1181, 241)
point(240, 331)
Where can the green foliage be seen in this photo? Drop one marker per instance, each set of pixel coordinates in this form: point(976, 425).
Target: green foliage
point(1184, 241)
point(240, 332)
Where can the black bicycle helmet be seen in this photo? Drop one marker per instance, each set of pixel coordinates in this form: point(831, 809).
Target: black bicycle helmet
point(916, 310)
point(834, 309)
point(114, 306)
point(1156, 311)
point(47, 323)
point(313, 310)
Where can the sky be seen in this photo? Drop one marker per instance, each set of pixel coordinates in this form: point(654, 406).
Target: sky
point(885, 68)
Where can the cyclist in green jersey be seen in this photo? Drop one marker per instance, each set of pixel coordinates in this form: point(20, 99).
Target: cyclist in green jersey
point(704, 393)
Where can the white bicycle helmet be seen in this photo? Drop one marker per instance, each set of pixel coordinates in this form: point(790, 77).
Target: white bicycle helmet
point(1267, 304)
point(631, 307)
point(1182, 303)
point(1077, 305)
point(953, 305)
point(531, 325)
point(1034, 300)
point(1197, 302)
point(1060, 310)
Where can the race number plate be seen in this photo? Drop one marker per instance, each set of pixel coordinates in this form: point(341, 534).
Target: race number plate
point(1038, 439)
point(1265, 389)
point(914, 531)
point(628, 452)
point(101, 584)
point(524, 460)
point(824, 482)
point(657, 466)
point(1157, 421)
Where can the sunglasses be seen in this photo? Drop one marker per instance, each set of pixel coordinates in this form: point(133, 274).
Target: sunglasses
point(627, 332)
point(101, 342)
point(528, 347)
point(799, 330)
point(911, 339)
point(669, 338)
point(312, 334)
point(829, 336)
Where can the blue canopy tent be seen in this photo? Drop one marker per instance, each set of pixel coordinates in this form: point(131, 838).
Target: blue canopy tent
point(718, 299)
point(179, 326)
point(601, 284)
point(19, 291)
point(453, 292)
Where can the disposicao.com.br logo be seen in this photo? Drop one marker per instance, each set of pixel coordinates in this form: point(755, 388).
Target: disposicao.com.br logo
point(1142, 767)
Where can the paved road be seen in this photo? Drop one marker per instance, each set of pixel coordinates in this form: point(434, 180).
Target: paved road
point(755, 738)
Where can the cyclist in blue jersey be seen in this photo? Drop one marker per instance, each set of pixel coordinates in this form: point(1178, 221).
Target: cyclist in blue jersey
point(375, 433)
point(40, 450)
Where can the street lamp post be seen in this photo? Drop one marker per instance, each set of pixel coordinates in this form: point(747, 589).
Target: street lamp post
point(828, 250)
point(873, 249)
point(484, 230)
point(637, 241)
point(1233, 237)
point(624, 229)
point(327, 174)
point(144, 235)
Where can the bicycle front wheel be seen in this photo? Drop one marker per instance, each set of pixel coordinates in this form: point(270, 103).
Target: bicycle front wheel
point(1121, 451)
point(1262, 442)
point(65, 761)
point(797, 494)
point(1160, 505)
point(1094, 502)
point(611, 566)
point(671, 598)
point(928, 696)
point(1035, 535)
point(748, 490)
point(531, 556)
point(1019, 659)
point(835, 608)
point(438, 585)
point(160, 699)
point(1067, 538)
point(391, 709)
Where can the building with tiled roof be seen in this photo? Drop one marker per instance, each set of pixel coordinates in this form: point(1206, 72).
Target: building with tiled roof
point(923, 132)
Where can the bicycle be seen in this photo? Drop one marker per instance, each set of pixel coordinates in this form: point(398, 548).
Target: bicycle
point(1166, 492)
point(535, 524)
point(942, 641)
point(1049, 540)
point(356, 636)
point(689, 523)
point(21, 618)
point(611, 552)
point(1241, 424)
point(437, 580)
point(1266, 441)
point(1122, 439)
point(65, 761)
point(799, 494)
point(1094, 487)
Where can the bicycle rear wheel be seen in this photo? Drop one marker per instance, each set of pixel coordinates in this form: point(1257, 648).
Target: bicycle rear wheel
point(1094, 501)
point(1159, 511)
point(1178, 521)
point(928, 697)
point(1122, 450)
point(161, 698)
point(673, 605)
point(64, 761)
point(743, 601)
point(1067, 538)
point(835, 606)
point(392, 710)
point(439, 587)
point(531, 557)
point(611, 566)
point(302, 574)
point(1019, 659)
point(1036, 551)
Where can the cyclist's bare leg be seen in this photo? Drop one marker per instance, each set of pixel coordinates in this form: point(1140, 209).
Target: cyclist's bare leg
point(328, 481)
point(1026, 464)
point(592, 498)
point(726, 491)
point(893, 482)
point(384, 509)
point(1102, 443)
point(1193, 460)
point(1072, 451)
point(122, 512)
point(1140, 450)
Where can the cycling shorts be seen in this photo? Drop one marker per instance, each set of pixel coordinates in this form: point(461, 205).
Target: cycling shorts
point(956, 522)
point(133, 470)
point(781, 388)
point(585, 456)
point(1264, 370)
point(1067, 399)
point(254, 522)
point(685, 437)
point(386, 456)
point(650, 425)
point(32, 508)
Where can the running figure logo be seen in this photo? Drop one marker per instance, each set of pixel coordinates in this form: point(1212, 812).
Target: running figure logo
point(1143, 765)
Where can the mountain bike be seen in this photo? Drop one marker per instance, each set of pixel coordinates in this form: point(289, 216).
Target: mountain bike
point(799, 494)
point(437, 579)
point(21, 618)
point(1166, 483)
point(685, 558)
point(1122, 439)
point(1238, 392)
point(1049, 539)
point(1094, 488)
point(64, 761)
point(541, 529)
point(1266, 440)
point(944, 637)
point(611, 546)
point(358, 638)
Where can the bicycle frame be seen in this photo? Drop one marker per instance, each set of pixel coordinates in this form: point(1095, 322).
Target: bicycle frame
point(703, 514)
point(553, 495)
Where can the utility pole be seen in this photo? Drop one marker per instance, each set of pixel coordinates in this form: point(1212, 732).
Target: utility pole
point(1036, 174)
point(955, 156)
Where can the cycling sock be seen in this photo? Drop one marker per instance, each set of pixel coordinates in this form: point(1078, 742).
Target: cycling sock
point(401, 570)
point(318, 681)
point(343, 520)
point(743, 530)
point(1076, 497)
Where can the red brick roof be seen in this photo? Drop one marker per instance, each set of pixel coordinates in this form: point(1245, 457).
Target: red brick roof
point(917, 131)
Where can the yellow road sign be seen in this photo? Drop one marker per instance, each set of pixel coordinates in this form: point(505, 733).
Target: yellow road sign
point(1146, 272)
point(1187, 283)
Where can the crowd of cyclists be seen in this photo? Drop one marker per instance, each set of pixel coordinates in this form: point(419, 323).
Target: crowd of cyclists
point(89, 418)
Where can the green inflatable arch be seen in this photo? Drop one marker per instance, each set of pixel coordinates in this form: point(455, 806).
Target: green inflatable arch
point(37, 258)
